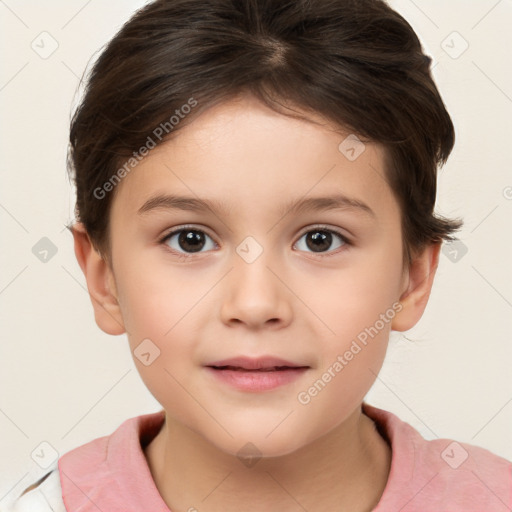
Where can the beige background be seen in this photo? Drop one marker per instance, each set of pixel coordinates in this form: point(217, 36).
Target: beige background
point(65, 382)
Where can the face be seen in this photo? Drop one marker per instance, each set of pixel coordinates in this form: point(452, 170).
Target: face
point(254, 276)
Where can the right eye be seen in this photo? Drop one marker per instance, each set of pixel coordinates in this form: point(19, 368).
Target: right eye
point(186, 240)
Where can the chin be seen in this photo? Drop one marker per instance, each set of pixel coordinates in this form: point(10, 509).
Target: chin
point(256, 443)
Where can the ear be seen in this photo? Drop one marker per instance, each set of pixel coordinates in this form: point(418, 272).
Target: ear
point(416, 291)
point(100, 283)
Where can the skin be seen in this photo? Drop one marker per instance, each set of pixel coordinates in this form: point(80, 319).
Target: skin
point(291, 302)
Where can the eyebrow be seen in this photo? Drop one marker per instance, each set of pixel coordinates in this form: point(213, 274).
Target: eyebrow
point(332, 202)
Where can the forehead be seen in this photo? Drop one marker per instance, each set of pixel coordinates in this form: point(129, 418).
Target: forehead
point(241, 155)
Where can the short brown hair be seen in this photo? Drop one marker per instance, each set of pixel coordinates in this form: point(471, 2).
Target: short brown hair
point(358, 63)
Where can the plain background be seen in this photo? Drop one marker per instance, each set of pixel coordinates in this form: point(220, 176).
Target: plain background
point(64, 382)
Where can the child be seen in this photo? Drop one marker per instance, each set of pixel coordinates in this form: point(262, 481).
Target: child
point(296, 144)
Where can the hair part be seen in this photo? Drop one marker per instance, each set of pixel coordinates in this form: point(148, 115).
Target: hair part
point(357, 63)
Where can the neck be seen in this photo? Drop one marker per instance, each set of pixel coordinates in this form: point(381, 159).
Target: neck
point(346, 469)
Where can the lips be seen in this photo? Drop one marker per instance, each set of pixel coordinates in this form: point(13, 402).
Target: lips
point(261, 364)
point(271, 369)
point(255, 375)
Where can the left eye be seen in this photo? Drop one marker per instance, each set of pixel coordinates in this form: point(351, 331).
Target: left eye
point(319, 240)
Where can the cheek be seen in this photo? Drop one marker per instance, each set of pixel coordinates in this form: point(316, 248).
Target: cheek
point(359, 309)
point(357, 304)
point(354, 297)
point(155, 299)
point(163, 305)
point(159, 315)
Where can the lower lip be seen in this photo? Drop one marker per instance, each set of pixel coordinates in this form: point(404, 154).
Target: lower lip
point(257, 380)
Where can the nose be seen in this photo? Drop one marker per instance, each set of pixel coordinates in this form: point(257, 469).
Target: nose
point(256, 294)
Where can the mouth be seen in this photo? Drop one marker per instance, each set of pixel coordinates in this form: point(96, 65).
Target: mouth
point(269, 369)
point(263, 363)
point(256, 375)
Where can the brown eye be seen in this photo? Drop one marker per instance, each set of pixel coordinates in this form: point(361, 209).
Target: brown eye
point(187, 240)
point(191, 240)
point(321, 240)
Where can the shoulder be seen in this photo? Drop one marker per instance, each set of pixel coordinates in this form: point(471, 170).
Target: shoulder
point(44, 495)
point(457, 461)
point(465, 476)
point(440, 474)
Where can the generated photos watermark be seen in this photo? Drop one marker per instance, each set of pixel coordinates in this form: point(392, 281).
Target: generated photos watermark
point(304, 397)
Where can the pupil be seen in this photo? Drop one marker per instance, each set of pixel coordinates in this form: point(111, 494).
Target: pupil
point(320, 240)
point(191, 241)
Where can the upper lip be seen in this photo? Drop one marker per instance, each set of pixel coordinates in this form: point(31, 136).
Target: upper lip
point(258, 363)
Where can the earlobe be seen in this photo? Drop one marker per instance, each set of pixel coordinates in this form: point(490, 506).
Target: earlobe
point(100, 283)
point(420, 278)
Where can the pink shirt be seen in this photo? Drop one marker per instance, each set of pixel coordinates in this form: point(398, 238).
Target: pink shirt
point(111, 473)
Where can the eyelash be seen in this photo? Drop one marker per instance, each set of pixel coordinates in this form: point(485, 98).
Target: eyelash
point(344, 239)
